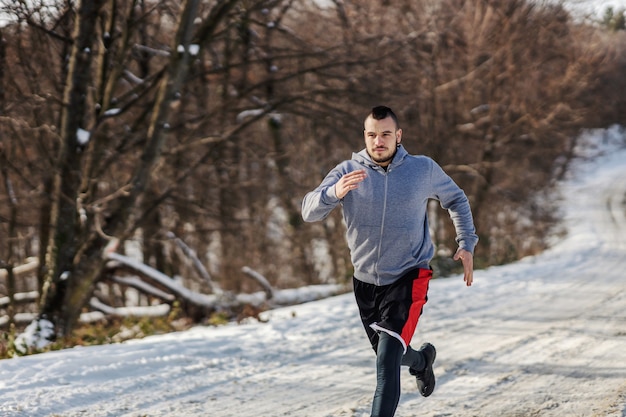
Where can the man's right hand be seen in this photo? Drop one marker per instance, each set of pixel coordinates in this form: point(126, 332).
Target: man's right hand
point(468, 265)
point(349, 182)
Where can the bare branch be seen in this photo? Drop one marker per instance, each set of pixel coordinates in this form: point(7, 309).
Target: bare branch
point(265, 284)
point(199, 267)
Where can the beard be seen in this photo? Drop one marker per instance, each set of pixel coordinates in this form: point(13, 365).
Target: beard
point(383, 158)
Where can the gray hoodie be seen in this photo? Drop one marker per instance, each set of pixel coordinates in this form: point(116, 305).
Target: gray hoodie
point(387, 226)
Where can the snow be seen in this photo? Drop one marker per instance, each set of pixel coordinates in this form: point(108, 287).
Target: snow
point(193, 49)
point(594, 8)
point(44, 330)
point(545, 336)
point(83, 136)
point(112, 112)
point(249, 113)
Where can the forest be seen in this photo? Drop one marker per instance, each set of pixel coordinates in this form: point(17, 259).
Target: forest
point(155, 153)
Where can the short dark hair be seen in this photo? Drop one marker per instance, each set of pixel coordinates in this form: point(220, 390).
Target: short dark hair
point(382, 112)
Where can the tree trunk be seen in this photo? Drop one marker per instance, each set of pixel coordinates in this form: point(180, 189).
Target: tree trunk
point(74, 268)
point(11, 238)
point(63, 244)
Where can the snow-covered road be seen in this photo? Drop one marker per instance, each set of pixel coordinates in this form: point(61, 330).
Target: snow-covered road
point(542, 337)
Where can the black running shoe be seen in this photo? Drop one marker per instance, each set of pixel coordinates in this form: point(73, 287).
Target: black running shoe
point(426, 377)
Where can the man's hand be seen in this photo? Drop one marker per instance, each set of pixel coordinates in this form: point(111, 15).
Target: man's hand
point(349, 182)
point(468, 265)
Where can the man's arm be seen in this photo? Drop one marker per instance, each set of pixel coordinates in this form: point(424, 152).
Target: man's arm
point(349, 182)
point(318, 203)
point(453, 199)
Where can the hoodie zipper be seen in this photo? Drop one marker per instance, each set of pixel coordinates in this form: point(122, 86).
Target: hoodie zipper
point(382, 226)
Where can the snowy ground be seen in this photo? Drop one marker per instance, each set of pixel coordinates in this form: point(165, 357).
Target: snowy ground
point(542, 337)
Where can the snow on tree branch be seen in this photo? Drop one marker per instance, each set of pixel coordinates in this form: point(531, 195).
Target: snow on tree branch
point(166, 281)
point(191, 254)
point(269, 291)
point(143, 286)
point(138, 311)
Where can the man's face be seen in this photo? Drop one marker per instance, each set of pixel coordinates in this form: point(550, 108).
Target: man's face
point(381, 139)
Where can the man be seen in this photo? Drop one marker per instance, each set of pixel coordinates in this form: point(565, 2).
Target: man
point(384, 192)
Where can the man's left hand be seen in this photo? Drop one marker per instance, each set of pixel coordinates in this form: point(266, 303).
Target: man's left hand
point(468, 265)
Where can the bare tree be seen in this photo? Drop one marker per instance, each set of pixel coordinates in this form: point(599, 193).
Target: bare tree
point(128, 122)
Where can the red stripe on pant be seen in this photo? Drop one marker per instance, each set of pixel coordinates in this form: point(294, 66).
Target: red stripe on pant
point(419, 292)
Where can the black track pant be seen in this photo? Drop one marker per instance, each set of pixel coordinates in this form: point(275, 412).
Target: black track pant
point(388, 361)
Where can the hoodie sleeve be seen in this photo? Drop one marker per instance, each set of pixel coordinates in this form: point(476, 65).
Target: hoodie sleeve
point(318, 203)
point(453, 199)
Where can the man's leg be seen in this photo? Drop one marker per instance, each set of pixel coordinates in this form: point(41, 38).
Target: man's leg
point(413, 358)
point(420, 363)
point(388, 360)
point(366, 299)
